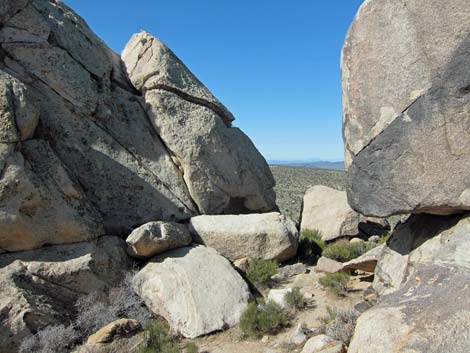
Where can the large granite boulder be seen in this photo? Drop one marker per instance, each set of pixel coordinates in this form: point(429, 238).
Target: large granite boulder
point(406, 98)
point(195, 289)
point(326, 210)
point(39, 288)
point(80, 154)
point(269, 236)
point(425, 298)
point(222, 169)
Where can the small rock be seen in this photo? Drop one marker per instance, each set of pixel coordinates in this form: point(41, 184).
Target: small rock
point(374, 239)
point(316, 344)
point(366, 262)
point(118, 328)
point(242, 264)
point(327, 265)
point(265, 339)
point(278, 296)
point(298, 336)
point(356, 241)
point(156, 237)
point(289, 271)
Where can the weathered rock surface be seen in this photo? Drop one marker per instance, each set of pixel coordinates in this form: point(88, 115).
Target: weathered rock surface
point(195, 289)
point(156, 237)
point(278, 296)
point(298, 337)
point(266, 236)
point(120, 336)
point(366, 262)
point(38, 288)
point(406, 102)
point(327, 265)
point(81, 156)
point(317, 343)
point(221, 167)
point(423, 279)
point(287, 271)
point(327, 210)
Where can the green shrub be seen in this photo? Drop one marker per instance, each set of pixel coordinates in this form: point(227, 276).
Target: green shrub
point(344, 251)
point(295, 299)
point(258, 320)
point(337, 282)
point(260, 271)
point(339, 324)
point(385, 238)
point(159, 339)
point(191, 347)
point(311, 245)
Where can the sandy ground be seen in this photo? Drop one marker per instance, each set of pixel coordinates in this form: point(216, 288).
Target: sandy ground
point(232, 341)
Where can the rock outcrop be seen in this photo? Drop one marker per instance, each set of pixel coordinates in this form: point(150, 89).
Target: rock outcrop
point(156, 237)
point(269, 236)
point(423, 280)
point(195, 289)
point(222, 169)
point(406, 100)
point(39, 288)
point(81, 152)
point(327, 210)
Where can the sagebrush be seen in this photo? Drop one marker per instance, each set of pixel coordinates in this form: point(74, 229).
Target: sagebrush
point(260, 271)
point(344, 251)
point(295, 299)
point(93, 311)
point(337, 282)
point(339, 324)
point(258, 320)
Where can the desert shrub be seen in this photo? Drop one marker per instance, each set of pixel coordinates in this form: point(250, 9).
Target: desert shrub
point(260, 271)
point(337, 282)
point(258, 320)
point(344, 251)
point(295, 299)
point(311, 245)
point(159, 339)
point(191, 347)
point(96, 310)
point(52, 339)
point(384, 239)
point(339, 324)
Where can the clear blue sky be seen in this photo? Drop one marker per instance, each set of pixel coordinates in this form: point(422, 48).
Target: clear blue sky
point(275, 64)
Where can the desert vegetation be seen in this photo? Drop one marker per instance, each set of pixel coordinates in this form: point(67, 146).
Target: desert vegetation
point(344, 250)
point(339, 324)
point(260, 319)
point(292, 182)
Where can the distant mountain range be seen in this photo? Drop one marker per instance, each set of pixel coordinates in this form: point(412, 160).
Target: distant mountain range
point(310, 164)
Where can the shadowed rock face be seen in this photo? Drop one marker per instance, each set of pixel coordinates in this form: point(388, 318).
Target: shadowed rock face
point(82, 154)
point(406, 102)
point(423, 278)
point(39, 288)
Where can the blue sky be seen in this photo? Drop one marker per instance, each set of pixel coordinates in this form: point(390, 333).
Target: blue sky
point(275, 64)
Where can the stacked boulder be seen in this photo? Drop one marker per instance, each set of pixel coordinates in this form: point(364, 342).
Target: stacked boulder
point(327, 211)
point(93, 147)
point(406, 79)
